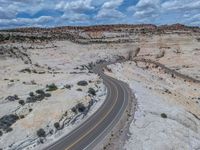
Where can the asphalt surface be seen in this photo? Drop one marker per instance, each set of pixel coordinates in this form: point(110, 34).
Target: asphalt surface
point(94, 129)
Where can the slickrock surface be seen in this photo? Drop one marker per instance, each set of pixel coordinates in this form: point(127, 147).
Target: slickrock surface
point(40, 69)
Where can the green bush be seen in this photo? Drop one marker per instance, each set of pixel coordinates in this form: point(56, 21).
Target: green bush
point(51, 87)
point(41, 92)
point(41, 133)
point(163, 115)
point(80, 107)
point(21, 102)
point(31, 94)
point(74, 110)
point(47, 95)
point(92, 91)
point(80, 90)
point(82, 83)
point(57, 125)
point(9, 129)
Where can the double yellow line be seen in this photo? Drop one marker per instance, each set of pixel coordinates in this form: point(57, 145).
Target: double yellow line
point(101, 120)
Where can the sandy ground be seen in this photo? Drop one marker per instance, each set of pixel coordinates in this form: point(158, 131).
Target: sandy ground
point(156, 91)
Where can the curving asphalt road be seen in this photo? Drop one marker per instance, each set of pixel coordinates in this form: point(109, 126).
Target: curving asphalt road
point(93, 130)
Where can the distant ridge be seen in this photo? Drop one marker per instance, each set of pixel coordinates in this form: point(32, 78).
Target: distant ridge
point(105, 27)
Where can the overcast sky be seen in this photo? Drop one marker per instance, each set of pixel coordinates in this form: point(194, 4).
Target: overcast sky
point(50, 13)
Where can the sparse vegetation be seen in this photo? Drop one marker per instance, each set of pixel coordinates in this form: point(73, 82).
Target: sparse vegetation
point(26, 70)
point(39, 96)
point(7, 121)
point(41, 92)
point(66, 113)
point(92, 91)
point(51, 87)
point(67, 86)
point(82, 83)
point(12, 98)
point(31, 94)
point(35, 98)
point(80, 90)
point(57, 125)
point(80, 107)
point(41, 133)
point(74, 110)
point(47, 95)
point(1, 133)
point(163, 115)
point(9, 130)
point(21, 102)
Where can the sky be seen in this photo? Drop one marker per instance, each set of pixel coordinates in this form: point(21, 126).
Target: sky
point(51, 13)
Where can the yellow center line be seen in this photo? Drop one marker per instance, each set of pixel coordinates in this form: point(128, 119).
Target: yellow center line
point(96, 124)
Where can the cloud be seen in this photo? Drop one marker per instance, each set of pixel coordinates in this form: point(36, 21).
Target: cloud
point(181, 5)
point(16, 13)
point(75, 17)
point(109, 10)
point(146, 9)
point(75, 6)
point(26, 21)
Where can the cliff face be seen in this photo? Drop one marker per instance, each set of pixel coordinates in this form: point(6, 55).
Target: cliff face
point(85, 35)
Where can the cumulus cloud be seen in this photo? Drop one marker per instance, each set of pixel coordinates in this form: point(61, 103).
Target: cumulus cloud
point(75, 17)
point(76, 6)
point(26, 21)
point(166, 11)
point(181, 5)
point(14, 13)
point(146, 9)
point(109, 10)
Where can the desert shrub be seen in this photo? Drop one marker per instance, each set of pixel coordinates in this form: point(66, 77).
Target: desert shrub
point(41, 133)
point(80, 107)
point(12, 98)
point(163, 115)
point(66, 113)
point(1, 133)
point(41, 92)
point(47, 95)
point(82, 83)
point(33, 82)
point(9, 130)
point(79, 89)
point(36, 98)
point(74, 110)
point(31, 94)
point(92, 91)
point(21, 116)
point(21, 102)
point(26, 70)
point(40, 97)
point(57, 125)
point(7, 121)
point(51, 87)
point(67, 86)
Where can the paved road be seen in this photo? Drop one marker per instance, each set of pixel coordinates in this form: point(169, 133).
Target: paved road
point(93, 130)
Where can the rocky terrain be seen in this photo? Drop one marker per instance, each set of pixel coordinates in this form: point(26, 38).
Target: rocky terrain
point(48, 86)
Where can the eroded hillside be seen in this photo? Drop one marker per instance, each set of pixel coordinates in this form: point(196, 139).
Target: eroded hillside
point(48, 86)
